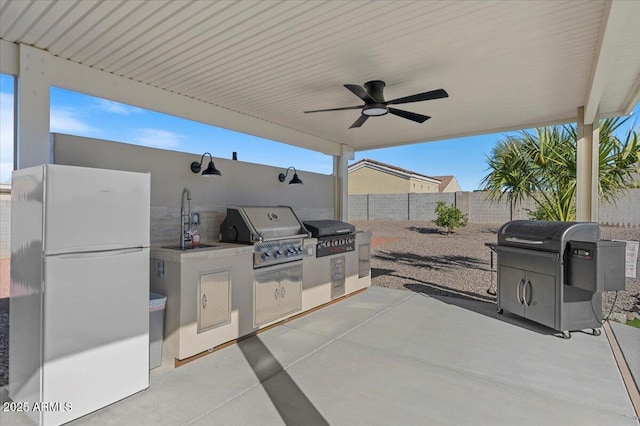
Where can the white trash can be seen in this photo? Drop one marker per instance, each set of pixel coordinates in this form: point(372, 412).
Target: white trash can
point(157, 303)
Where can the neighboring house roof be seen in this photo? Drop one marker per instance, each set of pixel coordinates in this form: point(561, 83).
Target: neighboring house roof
point(391, 169)
point(444, 181)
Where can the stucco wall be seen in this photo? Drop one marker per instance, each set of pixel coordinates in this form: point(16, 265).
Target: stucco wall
point(368, 181)
point(241, 183)
point(420, 186)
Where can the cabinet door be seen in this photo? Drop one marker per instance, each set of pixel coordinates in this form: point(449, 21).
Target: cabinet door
point(290, 290)
point(364, 260)
point(540, 298)
point(266, 296)
point(509, 286)
point(214, 301)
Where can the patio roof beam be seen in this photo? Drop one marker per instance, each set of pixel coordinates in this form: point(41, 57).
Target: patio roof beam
point(611, 33)
point(80, 78)
point(31, 138)
point(84, 79)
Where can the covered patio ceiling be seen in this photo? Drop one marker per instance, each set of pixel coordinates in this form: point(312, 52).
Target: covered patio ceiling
point(255, 67)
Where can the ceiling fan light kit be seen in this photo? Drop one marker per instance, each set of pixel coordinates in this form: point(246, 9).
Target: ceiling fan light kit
point(375, 109)
point(375, 105)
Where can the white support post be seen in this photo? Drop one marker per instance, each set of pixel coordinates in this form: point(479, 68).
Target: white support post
point(341, 174)
point(587, 168)
point(32, 142)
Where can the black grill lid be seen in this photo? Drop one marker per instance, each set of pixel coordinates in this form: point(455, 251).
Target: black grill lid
point(546, 235)
point(326, 228)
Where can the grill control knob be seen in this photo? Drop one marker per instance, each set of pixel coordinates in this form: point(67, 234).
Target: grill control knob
point(265, 256)
point(278, 253)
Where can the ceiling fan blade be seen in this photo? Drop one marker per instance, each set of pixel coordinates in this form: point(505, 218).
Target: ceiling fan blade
point(418, 118)
point(335, 109)
point(360, 121)
point(426, 96)
point(360, 92)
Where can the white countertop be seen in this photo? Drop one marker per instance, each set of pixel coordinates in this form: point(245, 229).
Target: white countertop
point(159, 251)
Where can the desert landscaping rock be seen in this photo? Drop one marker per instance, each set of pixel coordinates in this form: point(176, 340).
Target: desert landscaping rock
point(422, 258)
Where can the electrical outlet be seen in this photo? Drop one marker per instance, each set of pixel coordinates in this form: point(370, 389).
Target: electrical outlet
point(195, 219)
point(159, 268)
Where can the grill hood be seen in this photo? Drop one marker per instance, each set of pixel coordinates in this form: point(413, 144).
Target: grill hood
point(546, 235)
point(250, 224)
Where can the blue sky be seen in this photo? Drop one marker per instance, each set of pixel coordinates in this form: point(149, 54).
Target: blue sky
point(78, 114)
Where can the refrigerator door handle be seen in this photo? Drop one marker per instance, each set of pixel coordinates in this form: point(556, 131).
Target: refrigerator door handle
point(92, 254)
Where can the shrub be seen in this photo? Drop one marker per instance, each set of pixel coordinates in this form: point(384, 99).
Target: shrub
point(449, 217)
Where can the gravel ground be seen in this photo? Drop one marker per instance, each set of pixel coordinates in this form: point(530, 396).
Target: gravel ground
point(416, 256)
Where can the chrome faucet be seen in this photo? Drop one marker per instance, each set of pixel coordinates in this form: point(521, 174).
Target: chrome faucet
point(185, 226)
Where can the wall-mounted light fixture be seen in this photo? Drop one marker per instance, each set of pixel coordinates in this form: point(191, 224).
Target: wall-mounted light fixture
point(295, 179)
point(209, 171)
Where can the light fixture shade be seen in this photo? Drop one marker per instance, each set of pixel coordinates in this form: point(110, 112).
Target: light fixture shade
point(295, 179)
point(283, 176)
point(211, 170)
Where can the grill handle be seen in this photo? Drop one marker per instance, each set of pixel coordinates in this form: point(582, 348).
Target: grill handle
point(523, 241)
point(520, 284)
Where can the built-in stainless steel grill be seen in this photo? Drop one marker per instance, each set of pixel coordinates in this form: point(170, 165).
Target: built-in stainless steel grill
point(275, 232)
point(333, 236)
point(554, 272)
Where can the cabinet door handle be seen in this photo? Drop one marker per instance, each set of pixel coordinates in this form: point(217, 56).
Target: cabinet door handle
point(520, 284)
point(276, 294)
point(282, 292)
point(524, 293)
point(204, 301)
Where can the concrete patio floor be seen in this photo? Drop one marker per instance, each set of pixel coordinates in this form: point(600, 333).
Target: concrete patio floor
point(388, 357)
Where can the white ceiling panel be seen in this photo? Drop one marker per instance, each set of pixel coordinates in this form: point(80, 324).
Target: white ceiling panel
point(505, 64)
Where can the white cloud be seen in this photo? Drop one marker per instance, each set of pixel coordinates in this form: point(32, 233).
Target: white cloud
point(157, 138)
point(116, 107)
point(65, 120)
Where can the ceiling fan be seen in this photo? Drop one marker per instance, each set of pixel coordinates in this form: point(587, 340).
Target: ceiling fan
point(375, 105)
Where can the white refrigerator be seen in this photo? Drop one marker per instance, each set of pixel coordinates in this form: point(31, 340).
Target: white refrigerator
point(79, 306)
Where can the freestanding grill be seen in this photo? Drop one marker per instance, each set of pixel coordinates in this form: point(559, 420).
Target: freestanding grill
point(553, 273)
point(275, 232)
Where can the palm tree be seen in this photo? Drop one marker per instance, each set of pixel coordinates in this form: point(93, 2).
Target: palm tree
point(541, 165)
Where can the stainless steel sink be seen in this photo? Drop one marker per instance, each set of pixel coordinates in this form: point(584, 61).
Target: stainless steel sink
point(188, 247)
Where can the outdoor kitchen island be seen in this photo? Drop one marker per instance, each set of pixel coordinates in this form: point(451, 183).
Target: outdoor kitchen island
point(215, 294)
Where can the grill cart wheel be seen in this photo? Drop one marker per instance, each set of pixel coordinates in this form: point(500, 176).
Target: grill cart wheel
point(596, 331)
point(500, 311)
point(566, 335)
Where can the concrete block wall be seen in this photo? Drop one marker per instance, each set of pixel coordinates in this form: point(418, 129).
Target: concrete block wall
point(483, 211)
point(423, 208)
point(413, 206)
point(358, 206)
point(388, 207)
point(624, 212)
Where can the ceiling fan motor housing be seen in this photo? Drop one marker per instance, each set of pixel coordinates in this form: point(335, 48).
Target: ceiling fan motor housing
point(374, 88)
